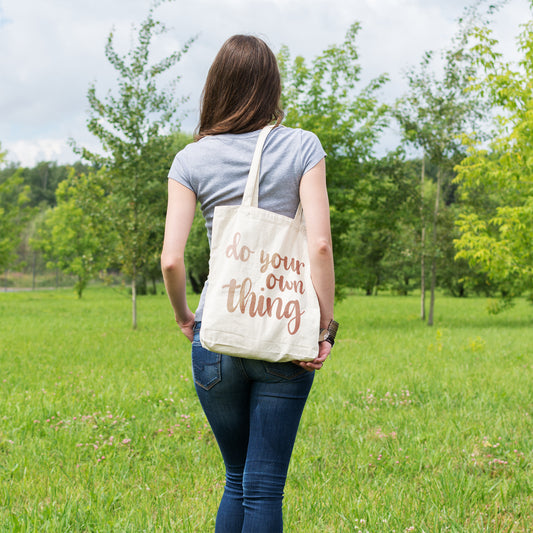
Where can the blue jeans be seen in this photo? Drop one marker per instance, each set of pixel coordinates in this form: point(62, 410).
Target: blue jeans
point(254, 409)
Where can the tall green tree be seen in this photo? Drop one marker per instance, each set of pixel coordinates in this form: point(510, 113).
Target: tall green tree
point(77, 235)
point(401, 259)
point(496, 182)
point(15, 211)
point(132, 125)
point(381, 204)
point(326, 97)
point(437, 109)
point(43, 179)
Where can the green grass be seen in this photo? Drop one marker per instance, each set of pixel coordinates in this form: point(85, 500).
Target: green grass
point(408, 428)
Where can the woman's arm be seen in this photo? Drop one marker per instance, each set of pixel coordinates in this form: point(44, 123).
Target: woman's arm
point(315, 204)
point(180, 214)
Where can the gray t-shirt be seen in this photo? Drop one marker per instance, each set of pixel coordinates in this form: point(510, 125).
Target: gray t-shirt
point(216, 169)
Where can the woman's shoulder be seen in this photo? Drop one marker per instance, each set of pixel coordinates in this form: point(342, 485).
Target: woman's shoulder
point(296, 136)
point(287, 131)
point(303, 139)
point(193, 150)
point(188, 158)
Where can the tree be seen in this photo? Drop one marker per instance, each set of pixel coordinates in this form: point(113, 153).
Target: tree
point(133, 128)
point(42, 179)
point(77, 235)
point(381, 204)
point(400, 261)
point(324, 98)
point(15, 211)
point(496, 182)
point(433, 115)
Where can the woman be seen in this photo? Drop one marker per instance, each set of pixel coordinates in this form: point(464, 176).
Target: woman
point(255, 408)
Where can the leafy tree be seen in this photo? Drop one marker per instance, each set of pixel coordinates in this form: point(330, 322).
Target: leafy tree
point(496, 182)
point(42, 179)
point(133, 128)
point(7, 169)
point(76, 236)
point(433, 115)
point(152, 264)
point(454, 273)
point(382, 201)
point(401, 258)
point(15, 211)
point(324, 97)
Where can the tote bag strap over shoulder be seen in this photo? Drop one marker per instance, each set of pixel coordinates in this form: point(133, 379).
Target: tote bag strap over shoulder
point(251, 192)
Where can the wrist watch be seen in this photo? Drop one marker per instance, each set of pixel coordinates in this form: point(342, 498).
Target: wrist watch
point(328, 334)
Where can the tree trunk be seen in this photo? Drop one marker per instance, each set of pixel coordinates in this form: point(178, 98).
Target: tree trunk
point(432, 291)
point(33, 271)
point(434, 251)
point(134, 299)
point(80, 285)
point(422, 244)
point(135, 255)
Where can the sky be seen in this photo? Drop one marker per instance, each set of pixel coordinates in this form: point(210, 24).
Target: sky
point(52, 51)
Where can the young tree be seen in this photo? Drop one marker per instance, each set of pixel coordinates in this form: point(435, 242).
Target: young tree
point(15, 211)
point(382, 203)
point(496, 183)
point(77, 235)
point(400, 260)
point(133, 128)
point(433, 115)
point(324, 98)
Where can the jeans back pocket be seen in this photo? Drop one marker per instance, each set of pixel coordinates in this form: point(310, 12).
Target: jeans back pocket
point(205, 366)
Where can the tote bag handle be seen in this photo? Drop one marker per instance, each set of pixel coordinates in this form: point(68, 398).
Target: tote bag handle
point(251, 192)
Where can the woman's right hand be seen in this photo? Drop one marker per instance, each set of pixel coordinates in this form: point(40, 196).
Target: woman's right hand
point(324, 349)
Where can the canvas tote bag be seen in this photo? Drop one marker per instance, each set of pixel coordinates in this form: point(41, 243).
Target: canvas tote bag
point(260, 301)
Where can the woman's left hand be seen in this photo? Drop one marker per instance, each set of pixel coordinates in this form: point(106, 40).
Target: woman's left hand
point(324, 349)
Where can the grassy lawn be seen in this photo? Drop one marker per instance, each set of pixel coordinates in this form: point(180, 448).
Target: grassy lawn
point(408, 428)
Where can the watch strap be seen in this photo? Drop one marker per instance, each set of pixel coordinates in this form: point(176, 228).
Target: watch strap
point(328, 334)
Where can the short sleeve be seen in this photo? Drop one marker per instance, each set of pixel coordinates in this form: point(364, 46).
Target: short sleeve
point(179, 171)
point(312, 151)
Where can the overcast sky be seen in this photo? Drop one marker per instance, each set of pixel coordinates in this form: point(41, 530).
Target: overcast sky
point(50, 51)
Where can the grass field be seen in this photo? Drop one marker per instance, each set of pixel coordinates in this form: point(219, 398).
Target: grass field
point(408, 428)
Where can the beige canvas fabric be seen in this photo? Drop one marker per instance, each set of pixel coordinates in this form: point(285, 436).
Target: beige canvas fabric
point(260, 300)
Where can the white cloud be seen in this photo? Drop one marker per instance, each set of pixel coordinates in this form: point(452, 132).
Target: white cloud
point(51, 51)
point(28, 152)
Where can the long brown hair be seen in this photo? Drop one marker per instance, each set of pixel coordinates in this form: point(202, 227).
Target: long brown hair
point(242, 90)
